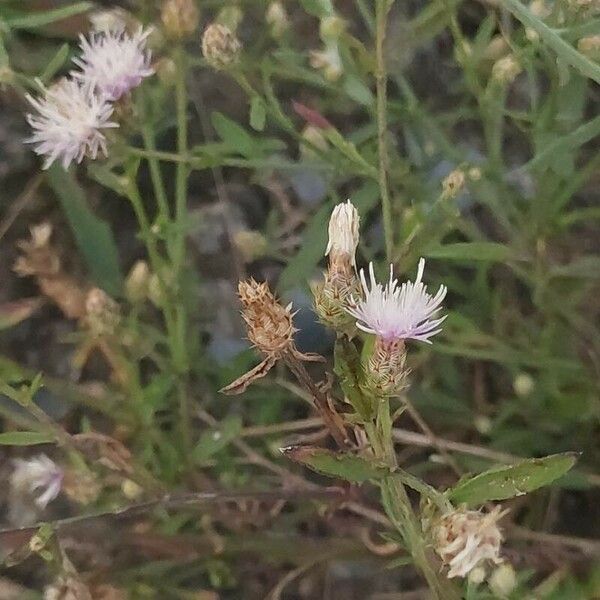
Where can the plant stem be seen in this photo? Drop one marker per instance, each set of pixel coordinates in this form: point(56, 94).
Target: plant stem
point(381, 10)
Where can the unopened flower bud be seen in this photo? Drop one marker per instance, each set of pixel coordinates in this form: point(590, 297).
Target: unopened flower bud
point(343, 232)
point(496, 48)
point(453, 184)
point(102, 314)
point(590, 46)
point(506, 70)
point(180, 18)
point(467, 539)
point(314, 136)
point(523, 385)
point(131, 490)
point(112, 19)
point(166, 70)
point(220, 47)
point(277, 19)
point(331, 28)
point(503, 580)
point(156, 293)
point(250, 244)
point(477, 576)
point(230, 17)
point(474, 173)
point(137, 282)
point(329, 61)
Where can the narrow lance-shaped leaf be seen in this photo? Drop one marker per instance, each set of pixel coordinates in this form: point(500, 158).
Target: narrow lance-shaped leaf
point(515, 480)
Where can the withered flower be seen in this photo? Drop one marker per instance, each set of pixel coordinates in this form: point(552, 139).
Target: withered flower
point(270, 329)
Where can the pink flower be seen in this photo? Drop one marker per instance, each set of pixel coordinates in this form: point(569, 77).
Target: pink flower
point(398, 313)
point(114, 62)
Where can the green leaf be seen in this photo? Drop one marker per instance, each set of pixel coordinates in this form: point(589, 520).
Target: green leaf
point(345, 466)
point(56, 63)
point(25, 438)
point(213, 441)
point(318, 8)
point(258, 113)
point(515, 480)
point(93, 236)
point(485, 251)
point(43, 18)
point(234, 135)
point(348, 368)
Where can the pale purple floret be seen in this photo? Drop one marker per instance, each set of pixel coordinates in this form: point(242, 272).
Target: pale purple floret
point(114, 62)
point(394, 312)
point(39, 475)
point(68, 121)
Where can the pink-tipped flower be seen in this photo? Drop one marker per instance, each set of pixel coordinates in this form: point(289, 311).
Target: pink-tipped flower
point(69, 122)
point(37, 476)
point(114, 62)
point(393, 312)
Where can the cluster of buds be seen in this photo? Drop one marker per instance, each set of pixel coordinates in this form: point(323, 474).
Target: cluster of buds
point(220, 46)
point(333, 295)
point(467, 539)
point(180, 18)
point(270, 329)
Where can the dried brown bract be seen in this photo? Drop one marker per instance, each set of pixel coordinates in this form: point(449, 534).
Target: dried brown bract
point(40, 259)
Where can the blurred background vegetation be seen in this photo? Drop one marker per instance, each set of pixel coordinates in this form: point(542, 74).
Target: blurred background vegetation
point(503, 93)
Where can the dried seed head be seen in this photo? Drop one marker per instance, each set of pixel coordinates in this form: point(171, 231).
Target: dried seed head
point(465, 539)
point(506, 70)
point(386, 373)
point(81, 486)
point(38, 256)
point(453, 184)
point(269, 323)
point(102, 314)
point(40, 259)
point(220, 46)
point(180, 18)
point(277, 19)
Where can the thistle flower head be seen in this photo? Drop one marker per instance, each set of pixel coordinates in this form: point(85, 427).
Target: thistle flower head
point(114, 62)
point(68, 123)
point(464, 539)
point(343, 231)
point(220, 46)
point(38, 475)
point(393, 312)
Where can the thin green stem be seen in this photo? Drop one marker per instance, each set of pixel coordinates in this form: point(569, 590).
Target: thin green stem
point(155, 174)
point(381, 10)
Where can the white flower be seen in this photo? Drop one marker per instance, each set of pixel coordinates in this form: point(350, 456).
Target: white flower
point(114, 62)
point(398, 313)
point(68, 123)
point(343, 230)
point(464, 539)
point(37, 475)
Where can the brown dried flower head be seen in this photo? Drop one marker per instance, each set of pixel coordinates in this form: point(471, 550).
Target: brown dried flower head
point(179, 17)
point(81, 486)
point(220, 46)
point(269, 323)
point(465, 539)
point(453, 184)
point(102, 314)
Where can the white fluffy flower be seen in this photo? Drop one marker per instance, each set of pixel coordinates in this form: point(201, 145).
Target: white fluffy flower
point(395, 312)
point(343, 230)
point(68, 123)
point(465, 539)
point(114, 62)
point(38, 475)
